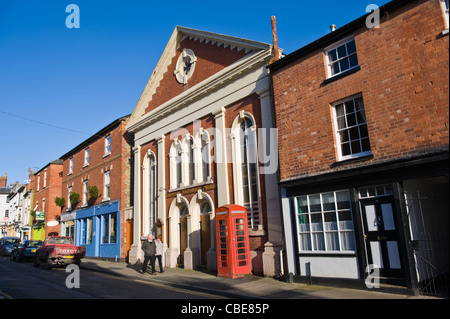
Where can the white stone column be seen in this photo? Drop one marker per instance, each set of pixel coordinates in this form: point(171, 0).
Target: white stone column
point(268, 157)
point(220, 151)
point(135, 250)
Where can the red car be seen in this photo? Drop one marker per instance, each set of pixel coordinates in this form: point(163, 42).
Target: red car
point(59, 250)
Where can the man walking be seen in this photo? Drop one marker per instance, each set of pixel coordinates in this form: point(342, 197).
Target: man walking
point(149, 248)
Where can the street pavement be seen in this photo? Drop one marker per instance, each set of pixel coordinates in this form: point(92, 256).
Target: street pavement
point(247, 287)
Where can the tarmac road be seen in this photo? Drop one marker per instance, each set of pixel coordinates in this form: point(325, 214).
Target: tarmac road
point(23, 281)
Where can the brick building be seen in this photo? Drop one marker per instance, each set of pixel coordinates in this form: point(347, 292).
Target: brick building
point(97, 174)
point(45, 186)
point(362, 115)
point(196, 127)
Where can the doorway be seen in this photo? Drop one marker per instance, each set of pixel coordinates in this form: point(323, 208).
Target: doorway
point(381, 236)
point(183, 233)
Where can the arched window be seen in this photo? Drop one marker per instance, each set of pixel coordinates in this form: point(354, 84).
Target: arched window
point(206, 156)
point(245, 167)
point(176, 171)
point(152, 191)
point(191, 162)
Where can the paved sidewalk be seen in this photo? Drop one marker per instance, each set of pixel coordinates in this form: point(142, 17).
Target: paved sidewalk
point(251, 287)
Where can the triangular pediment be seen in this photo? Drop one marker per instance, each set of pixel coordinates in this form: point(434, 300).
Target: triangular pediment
point(213, 53)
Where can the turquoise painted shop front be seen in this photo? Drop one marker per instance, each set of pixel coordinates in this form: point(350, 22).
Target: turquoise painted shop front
point(98, 229)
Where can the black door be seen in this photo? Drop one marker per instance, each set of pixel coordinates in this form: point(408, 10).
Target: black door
point(381, 236)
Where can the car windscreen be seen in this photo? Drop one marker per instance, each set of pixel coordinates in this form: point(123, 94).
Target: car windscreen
point(34, 244)
point(12, 241)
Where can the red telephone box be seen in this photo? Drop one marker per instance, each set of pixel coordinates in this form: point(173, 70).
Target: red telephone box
point(233, 249)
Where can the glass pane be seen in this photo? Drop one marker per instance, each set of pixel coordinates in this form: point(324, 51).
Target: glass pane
point(303, 219)
point(316, 219)
point(341, 122)
point(113, 233)
point(347, 241)
point(345, 215)
point(345, 64)
point(344, 136)
point(349, 106)
point(356, 147)
point(353, 61)
point(332, 241)
point(330, 221)
point(332, 55)
point(319, 242)
point(342, 52)
point(363, 131)
point(302, 203)
point(346, 149)
point(388, 217)
point(328, 201)
point(343, 200)
point(340, 110)
point(393, 254)
point(354, 133)
point(105, 229)
point(314, 203)
point(335, 68)
point(371, 218)
point(351, 47)
point(359, 104)
point(305, 242)
point(351, 119)
point(365, 145)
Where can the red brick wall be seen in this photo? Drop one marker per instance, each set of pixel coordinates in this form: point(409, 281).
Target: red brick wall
point(404, 80)
point(49, 193)
point(118, 165)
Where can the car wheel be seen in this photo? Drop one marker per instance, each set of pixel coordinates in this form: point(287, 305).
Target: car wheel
point(11, 257)
point(19, 258)
point(48, 263)
point(36, 262)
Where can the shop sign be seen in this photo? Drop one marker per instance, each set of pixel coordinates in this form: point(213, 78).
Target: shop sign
point(40, 216)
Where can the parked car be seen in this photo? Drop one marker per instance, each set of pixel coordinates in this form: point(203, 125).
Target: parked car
point(59, 250)
point(7, 245)
point(26, 250)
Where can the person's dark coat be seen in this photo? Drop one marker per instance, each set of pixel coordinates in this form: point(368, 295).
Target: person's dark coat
point(149, 248)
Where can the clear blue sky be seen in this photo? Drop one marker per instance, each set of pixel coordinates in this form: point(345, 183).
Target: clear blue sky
point(58, 85)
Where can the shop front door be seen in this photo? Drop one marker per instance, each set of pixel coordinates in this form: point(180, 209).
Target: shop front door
point(381, 236)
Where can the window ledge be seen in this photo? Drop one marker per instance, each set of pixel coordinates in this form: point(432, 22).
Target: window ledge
point(327, 254)
point(342, 75)
point(445, 32)
point(353, 160)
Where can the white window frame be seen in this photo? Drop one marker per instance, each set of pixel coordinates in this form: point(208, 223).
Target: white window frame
point(107, 145)
point(205, 157)
point(69, 191)
point(86, 157)
point(85, 192)
point(176, 165)
point(331, 63)
point(45, 178)
point(255, 219)
point(106, 185)
point(337, 131)
point(70, 166)
point(312, 234)
point(445, 11)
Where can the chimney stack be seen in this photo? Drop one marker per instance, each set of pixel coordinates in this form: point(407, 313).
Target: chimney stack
point(333, 27)
point(276, 50)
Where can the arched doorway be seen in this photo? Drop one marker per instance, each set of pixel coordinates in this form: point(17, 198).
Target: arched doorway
point(183, 226)
point(205, 230)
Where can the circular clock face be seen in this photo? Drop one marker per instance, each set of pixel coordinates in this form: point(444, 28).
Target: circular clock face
point(185, 66)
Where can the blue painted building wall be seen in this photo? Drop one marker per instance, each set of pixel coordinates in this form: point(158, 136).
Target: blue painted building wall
point(103, 244)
